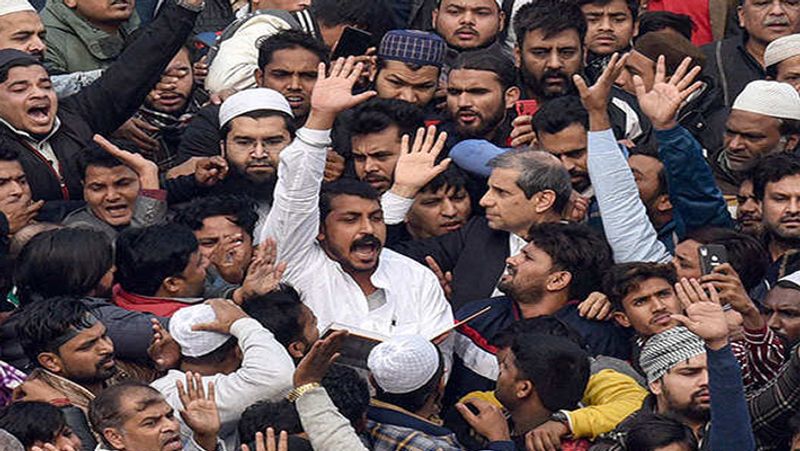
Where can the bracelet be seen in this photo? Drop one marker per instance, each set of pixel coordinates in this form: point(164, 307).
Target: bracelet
point(297, 392)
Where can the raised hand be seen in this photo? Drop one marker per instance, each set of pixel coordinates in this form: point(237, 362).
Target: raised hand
point(144, 168)
point(199, 410)
point(445, 278)
point(595, 98)
point(227, 313)
point(263, 274)
point(270, 444)
point(704, 315)
point(662, 102)
point(334, 93)
point(522, 133)
point(319, 359)
point(416, 166)
point(209, 171)
point(164, 351)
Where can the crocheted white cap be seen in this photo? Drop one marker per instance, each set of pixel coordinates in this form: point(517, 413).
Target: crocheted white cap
point(781, 49)
point(403, 363)
point(769, 98)
point(195, 343)
point(15, 6)
point(252, 100)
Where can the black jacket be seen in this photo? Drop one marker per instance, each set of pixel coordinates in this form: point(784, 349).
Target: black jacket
point(103, 106)
point(705, 116)
point(732, 67)
point(476, 255)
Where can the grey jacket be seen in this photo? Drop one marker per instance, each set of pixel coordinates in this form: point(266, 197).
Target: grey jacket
point(146, 212)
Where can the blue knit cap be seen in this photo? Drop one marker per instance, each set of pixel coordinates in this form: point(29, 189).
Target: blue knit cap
point(413, 47)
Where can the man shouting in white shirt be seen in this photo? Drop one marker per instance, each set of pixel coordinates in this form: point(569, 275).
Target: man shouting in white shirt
point(333, 242)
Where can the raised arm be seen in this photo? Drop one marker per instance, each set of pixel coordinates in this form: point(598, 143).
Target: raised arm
point(120, 91)
point(628, 229)
point(293, 220)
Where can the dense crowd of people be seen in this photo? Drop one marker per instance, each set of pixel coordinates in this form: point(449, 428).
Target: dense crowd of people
point(400, 225)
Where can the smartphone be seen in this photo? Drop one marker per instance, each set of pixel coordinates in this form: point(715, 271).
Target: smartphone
point(353, 42)
point(711, 256)
point(526, 107)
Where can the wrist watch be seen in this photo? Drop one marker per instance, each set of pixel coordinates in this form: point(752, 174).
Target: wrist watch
point(298, 392)
point(562, 418)
point(194, 8)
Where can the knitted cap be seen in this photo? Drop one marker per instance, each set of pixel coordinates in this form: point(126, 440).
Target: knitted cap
point(413, 47)
point(663, 351)
point(782, 49)
point(250, 100)
point(195, 343)
point(403, 363)
point(769, 98)
point(15, 6)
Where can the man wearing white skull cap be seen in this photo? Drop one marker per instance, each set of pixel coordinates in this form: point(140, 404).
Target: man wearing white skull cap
point(21, 28)
point(782, 60)
point(225, 346)
point(764, 119)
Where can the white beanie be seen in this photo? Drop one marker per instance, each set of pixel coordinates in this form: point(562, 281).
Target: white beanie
point(195, 343)
point(769, 98)
point(403, 363)
point(15, 6)
point(782, 49)
point(255, 99)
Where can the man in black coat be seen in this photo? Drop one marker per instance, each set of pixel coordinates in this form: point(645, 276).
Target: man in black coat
point(49, 136)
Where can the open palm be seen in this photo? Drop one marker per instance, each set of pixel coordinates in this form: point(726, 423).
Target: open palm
point(662, 102)
point(334, 93)
point(417, 166)
point(199, 410)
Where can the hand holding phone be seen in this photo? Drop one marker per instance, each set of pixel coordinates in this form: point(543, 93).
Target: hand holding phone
point(353, 42)
point(711, 256)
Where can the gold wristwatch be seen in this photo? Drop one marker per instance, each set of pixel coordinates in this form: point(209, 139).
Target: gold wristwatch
point(297, 392)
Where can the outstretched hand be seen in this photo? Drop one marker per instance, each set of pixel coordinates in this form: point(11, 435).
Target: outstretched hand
point(319, 359)
point(333, 93)
point(416, 166)
point(662, 102)
point(199, 409)
point(704, 315)
point(144, 168)
point(595, 98)
point(264, 273)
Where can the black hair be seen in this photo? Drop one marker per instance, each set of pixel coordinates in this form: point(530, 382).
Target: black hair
point(344, 187)
point(348, 391)
point(376, 115)
point(368, 15)
point(148, 255)
point(258, 114)
point(24, 60)
point(416, 399)
point(32, 421)
point(577, 249)
point(105, 411)
point(279, 311)
point(8, 153)
point(491, 59)
point(241, 208)
point(559, 113)
point(552, 17)
point(94, 155)
point(41, 324)
point(623, 278)
point(659, 20)
point(773, 168)
point(62, 262)
point(452, 177)
point(748, 257)
point(290, 39)
point(650, 431)
point(545, 325)
point(280, 415)
point(633, 5)
point(558, 368)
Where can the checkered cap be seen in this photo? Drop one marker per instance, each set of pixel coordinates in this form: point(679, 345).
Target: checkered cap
point(663, 351)
point(413, 47)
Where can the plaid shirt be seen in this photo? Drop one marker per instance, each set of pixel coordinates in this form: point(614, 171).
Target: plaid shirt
point(761, 356)
point(392, 428)
point(773, 406)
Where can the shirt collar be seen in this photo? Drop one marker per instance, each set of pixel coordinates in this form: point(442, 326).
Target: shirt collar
point(28, 136)
point(390, 414)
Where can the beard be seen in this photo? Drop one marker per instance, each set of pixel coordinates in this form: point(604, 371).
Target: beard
point(238, 183)
point(694, 411)
point(535, 86)
point(488, 124)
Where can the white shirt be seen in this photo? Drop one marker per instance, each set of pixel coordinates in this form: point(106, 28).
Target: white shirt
point(415, 302)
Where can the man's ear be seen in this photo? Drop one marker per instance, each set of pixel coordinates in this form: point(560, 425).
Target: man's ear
point(663, 203)
point(621, 318)
point(559, 280)
point(297, 349)
point(71, 4)
point(51, 362)
point(172, 284)
point(222, 149)
point(740, 16)
point(259, 75)
point(524, 389)
point(791, 142)
point(502, 22)
point(544, 200)
point(114, 438)
point(656, 387)
point(517, 56)
point(512, 94)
